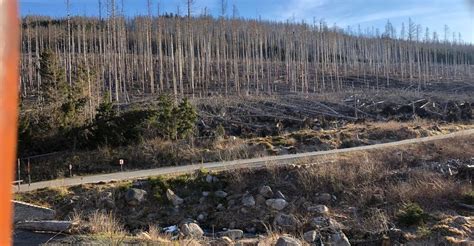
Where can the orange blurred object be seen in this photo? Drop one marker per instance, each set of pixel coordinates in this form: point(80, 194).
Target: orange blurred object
point(9, 54)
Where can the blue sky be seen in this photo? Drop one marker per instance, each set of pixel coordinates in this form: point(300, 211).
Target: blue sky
point(457, 14)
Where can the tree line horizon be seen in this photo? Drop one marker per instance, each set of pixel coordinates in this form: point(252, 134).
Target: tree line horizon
point(198, 56)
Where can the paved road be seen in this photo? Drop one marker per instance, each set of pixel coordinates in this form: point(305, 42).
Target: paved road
point(28, 238)
point(227, 165)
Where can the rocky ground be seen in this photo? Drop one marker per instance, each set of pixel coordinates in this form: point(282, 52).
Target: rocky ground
point(419, 194)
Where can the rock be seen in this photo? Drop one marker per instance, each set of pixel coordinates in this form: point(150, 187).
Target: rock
point(211, 179)
point(135, 196)
point(139, 184)
point(231, 203)
point(134, 213)
point(339, 239)
point(226, 240)
point(201, 217)
point(233, 197)
point(277, 204)
point(324, 222)
point(202, 200)
point(171, 229)
point(220, 207)
point(248, 242)
point(352, 210)
point(286, 222)
point(192, 230)
point(248, 200)
point(205, 193)
point(287, 241)
point(173, 198)
point(232, 234)
point(324, 198)
point(222, 241)
point(266, 191)
point(278, 194)
point(319, 209)
point(220, 194)
point(260, 200)
point(320, 222)
point(251, 229)
point(106, 200)
point(310, 236)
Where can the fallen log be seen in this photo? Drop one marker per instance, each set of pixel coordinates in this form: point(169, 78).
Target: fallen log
point(46, 225)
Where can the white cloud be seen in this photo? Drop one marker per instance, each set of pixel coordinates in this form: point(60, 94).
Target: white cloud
point(384, 15)
point(301, 9)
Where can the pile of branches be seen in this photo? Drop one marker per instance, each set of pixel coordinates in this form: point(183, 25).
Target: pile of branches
point(451, 111)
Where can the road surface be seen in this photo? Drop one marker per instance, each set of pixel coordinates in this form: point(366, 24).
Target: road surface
point(219, 166)
point(28, 238)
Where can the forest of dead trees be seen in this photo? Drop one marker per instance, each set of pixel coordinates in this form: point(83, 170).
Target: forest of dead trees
point(197, 56)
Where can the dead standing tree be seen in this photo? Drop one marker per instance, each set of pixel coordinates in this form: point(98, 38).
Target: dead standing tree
point(200, 55)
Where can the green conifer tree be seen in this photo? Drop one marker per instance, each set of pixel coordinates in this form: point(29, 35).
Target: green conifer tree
point(53, 79)
point(186, 117)
point(166, 118)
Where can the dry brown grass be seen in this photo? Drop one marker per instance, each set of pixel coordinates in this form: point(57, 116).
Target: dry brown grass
point(376, 182)
point(271, 237)
point(104, 223)
point(393, 175)
point(157, 237)
point(103, 227)
point(425, 188)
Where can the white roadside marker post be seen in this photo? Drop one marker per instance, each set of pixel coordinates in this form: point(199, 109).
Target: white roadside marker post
point(121, 162)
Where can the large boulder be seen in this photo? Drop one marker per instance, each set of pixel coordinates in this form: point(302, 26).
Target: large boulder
point(277, 204)
point(173, 198)
point(135, 196)
point(287, 241)
point(286, 222)
point(192, 230)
